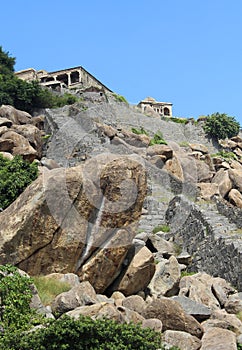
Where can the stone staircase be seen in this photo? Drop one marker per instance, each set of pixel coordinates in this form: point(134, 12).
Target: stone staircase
point(154, 208)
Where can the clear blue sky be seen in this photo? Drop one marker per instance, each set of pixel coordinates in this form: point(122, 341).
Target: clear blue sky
point(188, 52)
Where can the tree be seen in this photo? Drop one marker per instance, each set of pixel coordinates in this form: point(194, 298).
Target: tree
point(25, 95)
point(6, 62)
point(221, 126)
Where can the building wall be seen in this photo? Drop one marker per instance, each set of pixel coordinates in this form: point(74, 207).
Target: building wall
point(69, 78)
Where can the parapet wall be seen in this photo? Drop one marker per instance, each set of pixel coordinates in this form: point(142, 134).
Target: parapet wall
point(213, 250)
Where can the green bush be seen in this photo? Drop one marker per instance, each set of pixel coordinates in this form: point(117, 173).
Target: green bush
point(15, 296)
point(221, 126)
point(120, 98)
point(63, 100)
point(85, 333)
point(225, 155)
point(140, 131)
point(158, 139)
point(15, 176)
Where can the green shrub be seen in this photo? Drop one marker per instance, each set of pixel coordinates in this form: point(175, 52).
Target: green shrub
point(15, 176)
point(221, 126)
point(120, 98)
point(85, 333)
point(49, 288)
point(163, 228)
point(158, 139)
point(63, 100)
point(140, 131)
point(225, 155)
point(15, 296)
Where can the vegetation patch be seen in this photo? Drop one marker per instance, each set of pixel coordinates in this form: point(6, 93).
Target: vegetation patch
point(163, 228)
point(187, 273)
point(15, 176)
point(225, 155)
point(158, 139)
point(86, 333)
point(25, 95)
point(15, 296)
point(184, 144)
point(221, 126)
point(120, 98)
point(140, 131)
point(48, 288)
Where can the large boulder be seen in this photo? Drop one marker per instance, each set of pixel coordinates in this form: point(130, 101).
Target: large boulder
point(16, 116)
point(32, 134)
point(166, 278)
point(172, 316)
point(139, 273)
point(236, 178)
point(222, 179)
point(163, 150)
point(83, 294)
point(182, 340)
point(199, 288)
point(173, 166)
point(67, 217)
point(21, 145)
point(218, 339)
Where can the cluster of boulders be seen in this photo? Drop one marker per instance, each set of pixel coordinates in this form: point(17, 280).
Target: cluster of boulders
point(201, 315)
point(218, 174)
point(80, 224)
point(20, 134)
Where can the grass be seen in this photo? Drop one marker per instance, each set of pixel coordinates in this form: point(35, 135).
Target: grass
point(184, 144)
point(48, 288)
point(239, 315)
point(225, 155)
point(163, 228)
point(176, 120)
point(140, 131)
point(186, 273)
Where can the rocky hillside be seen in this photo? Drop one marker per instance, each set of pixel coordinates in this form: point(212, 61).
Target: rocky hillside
point(129, 204)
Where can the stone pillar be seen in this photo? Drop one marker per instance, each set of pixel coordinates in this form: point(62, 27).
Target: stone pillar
point(69, 78)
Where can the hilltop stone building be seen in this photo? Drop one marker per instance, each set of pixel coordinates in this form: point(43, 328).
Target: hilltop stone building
point(70, 78)
point(163, 108)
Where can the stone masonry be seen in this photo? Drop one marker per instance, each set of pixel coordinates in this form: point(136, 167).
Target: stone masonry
point(70, 78)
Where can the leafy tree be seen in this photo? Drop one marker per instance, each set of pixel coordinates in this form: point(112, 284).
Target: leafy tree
point(6, 62)
point(221, 126)
point(26, 95)
point(15, 176)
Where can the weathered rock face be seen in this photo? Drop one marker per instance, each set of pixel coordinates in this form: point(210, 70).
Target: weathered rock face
point(67, 216)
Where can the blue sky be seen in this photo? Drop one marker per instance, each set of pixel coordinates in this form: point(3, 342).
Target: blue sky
point(188, 52)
